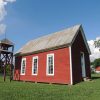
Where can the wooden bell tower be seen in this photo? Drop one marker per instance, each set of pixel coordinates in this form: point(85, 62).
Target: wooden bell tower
point(6, 56)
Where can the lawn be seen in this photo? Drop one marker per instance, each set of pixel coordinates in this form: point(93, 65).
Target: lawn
point(39, 91)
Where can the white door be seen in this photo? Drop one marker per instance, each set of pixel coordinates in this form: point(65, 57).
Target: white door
point(83, 65)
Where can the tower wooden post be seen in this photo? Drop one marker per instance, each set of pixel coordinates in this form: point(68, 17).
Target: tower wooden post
point(6, 56)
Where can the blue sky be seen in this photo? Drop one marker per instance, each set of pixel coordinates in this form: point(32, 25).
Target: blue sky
point(29, 19)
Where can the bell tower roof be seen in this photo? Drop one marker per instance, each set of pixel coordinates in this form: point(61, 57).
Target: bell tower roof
point(6, 42)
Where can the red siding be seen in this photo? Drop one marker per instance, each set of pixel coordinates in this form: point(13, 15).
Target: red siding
point(97, 68)
point(61, 67)
point(78, 47)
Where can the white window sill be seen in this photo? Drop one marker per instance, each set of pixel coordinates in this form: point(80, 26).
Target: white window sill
point(50, 74)
point(34, 74)
point(22, 74)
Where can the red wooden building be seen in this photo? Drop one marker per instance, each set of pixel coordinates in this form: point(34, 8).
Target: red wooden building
point(61, 57)
point(97, 69)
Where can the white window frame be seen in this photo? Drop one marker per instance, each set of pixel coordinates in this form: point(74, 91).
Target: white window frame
point(47, 72)
point(36, 57)
point(21, 66)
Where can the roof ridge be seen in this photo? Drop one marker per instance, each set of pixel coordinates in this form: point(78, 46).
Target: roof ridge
point(54, 39)
point(56, 32)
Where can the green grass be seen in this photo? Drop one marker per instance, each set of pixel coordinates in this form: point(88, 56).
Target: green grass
point(39, 91)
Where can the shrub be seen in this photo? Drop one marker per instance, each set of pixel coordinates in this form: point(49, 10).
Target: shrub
point(96, 63)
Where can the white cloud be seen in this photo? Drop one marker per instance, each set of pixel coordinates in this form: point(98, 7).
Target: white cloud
point(95, 53)
point(2, 10)
point(98, 38)
point(10, 0)
point(3, 13)
point(2, 28)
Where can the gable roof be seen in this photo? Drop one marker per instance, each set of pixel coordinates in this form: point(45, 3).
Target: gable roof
point(57, 39)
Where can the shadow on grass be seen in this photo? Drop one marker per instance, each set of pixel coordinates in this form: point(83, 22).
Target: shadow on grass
point(95, 76)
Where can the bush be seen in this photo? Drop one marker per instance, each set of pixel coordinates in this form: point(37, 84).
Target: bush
point(96, 63)
point(7, 70)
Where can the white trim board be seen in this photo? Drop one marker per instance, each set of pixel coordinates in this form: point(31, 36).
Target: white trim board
point(71, 71)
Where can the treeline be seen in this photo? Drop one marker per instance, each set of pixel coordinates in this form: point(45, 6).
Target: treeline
point(96, 63)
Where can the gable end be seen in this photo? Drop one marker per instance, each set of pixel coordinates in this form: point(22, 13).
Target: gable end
point(84, 38)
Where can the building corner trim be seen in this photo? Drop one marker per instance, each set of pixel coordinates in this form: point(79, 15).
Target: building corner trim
point(71, 75)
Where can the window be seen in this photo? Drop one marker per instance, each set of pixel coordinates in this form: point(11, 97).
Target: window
point(35, 66)
point(23, 66)
point(50, 64)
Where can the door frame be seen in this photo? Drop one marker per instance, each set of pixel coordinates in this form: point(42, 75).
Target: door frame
point(83, 65)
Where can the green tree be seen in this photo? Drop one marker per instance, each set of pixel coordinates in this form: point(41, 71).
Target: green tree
point(96, 63)
point(97, 43)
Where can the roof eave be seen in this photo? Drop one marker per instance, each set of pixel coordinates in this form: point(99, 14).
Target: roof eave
point(43, 50)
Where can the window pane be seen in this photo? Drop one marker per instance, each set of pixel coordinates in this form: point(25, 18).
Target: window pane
point(35, 62)
point(50, 64)
point(23, 66)
point(23, 63)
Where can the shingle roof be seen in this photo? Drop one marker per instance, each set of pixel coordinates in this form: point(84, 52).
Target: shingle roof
point(56, 39)
point(6, 41)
